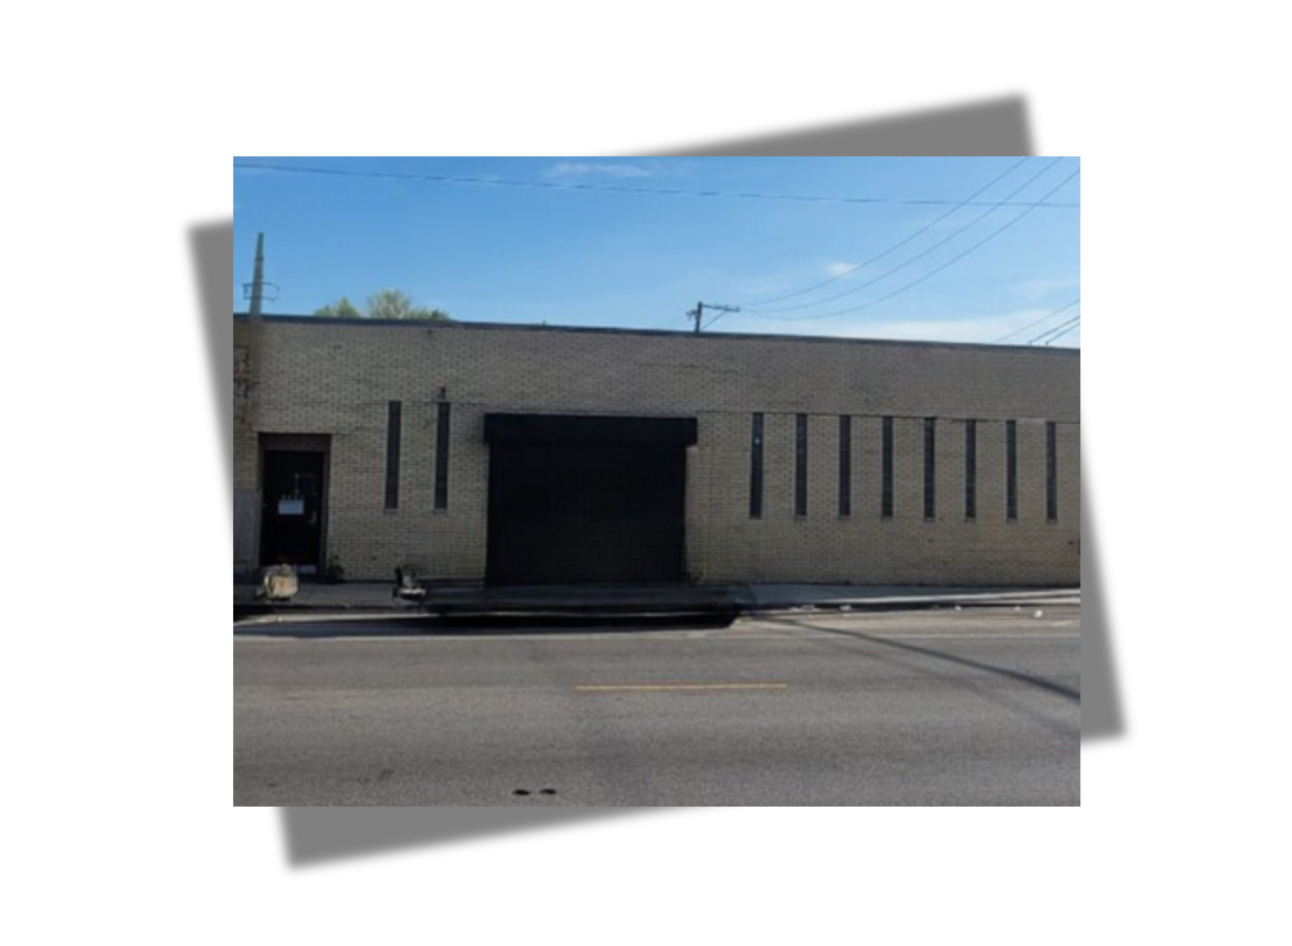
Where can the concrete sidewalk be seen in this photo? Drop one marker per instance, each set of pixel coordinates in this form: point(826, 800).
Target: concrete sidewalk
point(780, 597)
point(376, 597)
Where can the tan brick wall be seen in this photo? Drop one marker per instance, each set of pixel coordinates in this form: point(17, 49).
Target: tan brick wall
point(336, 378)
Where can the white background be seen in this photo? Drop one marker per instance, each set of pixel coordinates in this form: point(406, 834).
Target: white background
point(122, 122)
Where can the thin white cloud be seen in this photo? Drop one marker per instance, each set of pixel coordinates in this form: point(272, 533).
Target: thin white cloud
point(586, 169)
point(767, 285)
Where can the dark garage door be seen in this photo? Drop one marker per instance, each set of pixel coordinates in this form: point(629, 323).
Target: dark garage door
point(586, 499)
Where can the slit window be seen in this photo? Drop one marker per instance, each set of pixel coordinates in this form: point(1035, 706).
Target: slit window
point(1051, 472)
point(930, 427)
point(442, 455)
point(800, 464)
point(971, 469)
point(1011, 470)
point(886, 470)
point(845, 467)
point(392, 454)
point(756, 468)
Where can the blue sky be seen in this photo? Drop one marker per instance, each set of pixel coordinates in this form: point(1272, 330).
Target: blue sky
point(942, 249)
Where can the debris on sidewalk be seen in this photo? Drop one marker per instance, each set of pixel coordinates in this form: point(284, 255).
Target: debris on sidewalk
point(408, 587)
point(278, 583)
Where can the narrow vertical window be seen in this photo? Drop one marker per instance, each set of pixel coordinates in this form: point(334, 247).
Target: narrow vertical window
point(756, 469)
point(886, 471)
point(442, 456)
point(392, 455)
point(930, 510)
point(971, 469)
point(1011, 470)
point(800, 465)
point(845, 467)
point(1051, 472)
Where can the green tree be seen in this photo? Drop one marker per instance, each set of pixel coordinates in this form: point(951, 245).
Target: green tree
point(343, 308)
point(385, 304)
point(393, 304)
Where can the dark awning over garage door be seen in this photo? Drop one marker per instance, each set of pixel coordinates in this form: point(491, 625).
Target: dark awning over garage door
point(589, 429)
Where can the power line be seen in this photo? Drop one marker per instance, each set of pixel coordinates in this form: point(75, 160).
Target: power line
point(573, 185)
point(1019, 331)
point(1064, 332)
point(878, 256)
point(900, 266)
point(931, 273)
point(1061, 330)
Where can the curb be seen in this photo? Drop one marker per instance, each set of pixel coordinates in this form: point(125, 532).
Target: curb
point(910, 603)
point(590, 611)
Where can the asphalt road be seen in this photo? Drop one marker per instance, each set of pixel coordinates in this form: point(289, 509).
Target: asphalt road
point(980, 707)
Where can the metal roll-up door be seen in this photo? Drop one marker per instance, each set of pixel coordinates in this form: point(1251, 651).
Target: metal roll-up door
point(586, 499)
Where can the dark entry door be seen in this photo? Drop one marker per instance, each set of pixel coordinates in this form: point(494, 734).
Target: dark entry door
point(291, 514)
point(586, 512)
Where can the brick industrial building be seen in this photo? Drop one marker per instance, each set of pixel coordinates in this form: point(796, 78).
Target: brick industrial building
point(524, 454)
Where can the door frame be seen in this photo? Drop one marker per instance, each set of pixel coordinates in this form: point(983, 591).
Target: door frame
point(296, 443)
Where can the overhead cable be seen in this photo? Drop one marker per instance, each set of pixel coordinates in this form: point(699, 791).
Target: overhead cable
point(896, 246)
point(616, 188)
point(1060, 329)
point(1019, 331)
point(929, 275)
point(925, 252)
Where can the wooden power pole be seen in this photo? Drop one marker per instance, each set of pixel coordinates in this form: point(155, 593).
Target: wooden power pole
point(698, 312)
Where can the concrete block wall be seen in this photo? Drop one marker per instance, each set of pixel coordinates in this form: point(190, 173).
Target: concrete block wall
point(336, 377)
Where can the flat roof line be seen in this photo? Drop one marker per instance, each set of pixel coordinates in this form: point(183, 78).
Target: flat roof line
point(605, 330)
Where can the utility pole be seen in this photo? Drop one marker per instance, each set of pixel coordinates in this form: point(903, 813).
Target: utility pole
point(698, 312)
point(255, 290)
point(258, 278)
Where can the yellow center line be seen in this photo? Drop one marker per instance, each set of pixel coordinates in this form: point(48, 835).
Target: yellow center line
point(608, 687)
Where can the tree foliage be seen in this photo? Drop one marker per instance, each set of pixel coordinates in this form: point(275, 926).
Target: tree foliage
point(385, 304)
point(343, 308)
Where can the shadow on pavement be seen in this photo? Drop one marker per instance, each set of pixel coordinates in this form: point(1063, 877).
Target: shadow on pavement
point(479, 625)
point(1057, 689)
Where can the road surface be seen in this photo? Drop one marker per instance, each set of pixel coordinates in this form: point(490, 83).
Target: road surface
point(973, 707)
